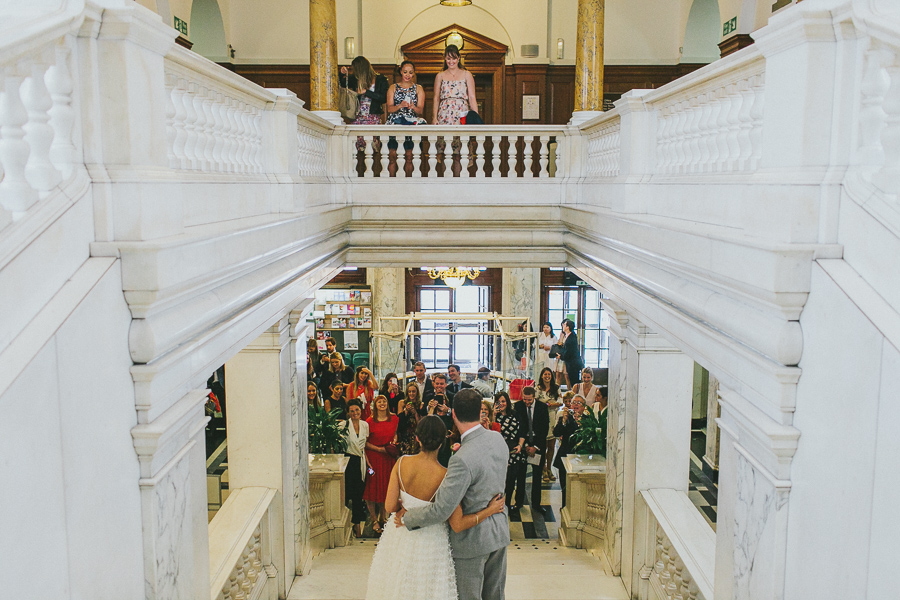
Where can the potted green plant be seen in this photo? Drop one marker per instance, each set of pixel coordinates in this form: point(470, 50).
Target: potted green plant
point(589, 441)
point(326, 436)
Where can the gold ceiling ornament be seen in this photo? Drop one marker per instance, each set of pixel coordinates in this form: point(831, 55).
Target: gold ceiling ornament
point(456, 2)
point(454, 277)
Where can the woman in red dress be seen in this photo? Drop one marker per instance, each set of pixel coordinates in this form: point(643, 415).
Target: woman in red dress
point(382, 431)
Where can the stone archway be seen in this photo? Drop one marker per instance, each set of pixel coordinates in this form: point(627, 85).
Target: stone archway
point(484, 57)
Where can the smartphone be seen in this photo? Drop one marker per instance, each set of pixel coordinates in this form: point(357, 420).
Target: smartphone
point(394, 381)
point(371, 471)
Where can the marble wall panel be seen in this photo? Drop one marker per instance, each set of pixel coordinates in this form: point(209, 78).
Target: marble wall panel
point(169, 572)
point(300, 453)
point(759, 530)
point(615, 454)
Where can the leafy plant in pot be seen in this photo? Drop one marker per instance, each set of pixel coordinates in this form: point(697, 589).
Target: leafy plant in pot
point(326, 433)
point(590, 437)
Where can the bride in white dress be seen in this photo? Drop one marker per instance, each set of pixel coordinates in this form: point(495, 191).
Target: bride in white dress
point(417, 565)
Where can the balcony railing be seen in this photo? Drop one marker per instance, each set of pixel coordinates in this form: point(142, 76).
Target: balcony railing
point(240, 553)
point(679, 548)
point(496, 152)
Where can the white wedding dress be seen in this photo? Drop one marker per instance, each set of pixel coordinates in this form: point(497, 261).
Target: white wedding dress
point(412, 565)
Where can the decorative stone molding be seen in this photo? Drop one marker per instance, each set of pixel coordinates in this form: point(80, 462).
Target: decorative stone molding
point(584, 516)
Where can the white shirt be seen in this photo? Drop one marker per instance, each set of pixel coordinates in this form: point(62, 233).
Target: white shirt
point(463, 436)
point(356, 443)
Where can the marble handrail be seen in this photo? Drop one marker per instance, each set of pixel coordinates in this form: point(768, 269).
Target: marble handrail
point(438, 151)
point(680, 558)
point(240, 564)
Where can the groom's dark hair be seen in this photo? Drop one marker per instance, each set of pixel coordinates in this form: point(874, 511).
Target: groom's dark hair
point(467, 405)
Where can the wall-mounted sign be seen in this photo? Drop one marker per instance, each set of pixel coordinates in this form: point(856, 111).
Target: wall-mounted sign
point(531, 108)
point(181, 26)
point(729, 26)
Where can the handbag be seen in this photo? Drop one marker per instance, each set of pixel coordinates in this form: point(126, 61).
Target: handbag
point(392, 450)
point(556, 350)
point(348, 102)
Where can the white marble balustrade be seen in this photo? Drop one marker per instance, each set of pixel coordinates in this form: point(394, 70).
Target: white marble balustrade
point(240, 557)
point(37, 152)
point(329, 518)
point(679, 550)
point(473, 152)
point(312, 146)
point(214, 119)
point(714, 124)
point(583, 519)
point(603, 147)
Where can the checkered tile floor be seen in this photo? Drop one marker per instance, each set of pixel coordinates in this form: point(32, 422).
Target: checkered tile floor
point(530, 525)
point(702, 490)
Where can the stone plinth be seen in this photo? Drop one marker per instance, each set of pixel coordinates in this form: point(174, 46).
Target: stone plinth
point(329, 518)
point(584, 516)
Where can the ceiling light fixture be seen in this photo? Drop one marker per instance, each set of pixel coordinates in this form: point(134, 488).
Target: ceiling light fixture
point(454, 277)
point(456, 2)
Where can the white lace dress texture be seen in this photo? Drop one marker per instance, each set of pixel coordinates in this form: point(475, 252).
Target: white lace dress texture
point(412, 565)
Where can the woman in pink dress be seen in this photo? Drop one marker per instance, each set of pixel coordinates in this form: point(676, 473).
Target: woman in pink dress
point(382, 431)
point(454, 90)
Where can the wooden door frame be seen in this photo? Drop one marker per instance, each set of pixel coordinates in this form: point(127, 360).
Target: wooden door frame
point(480, 54)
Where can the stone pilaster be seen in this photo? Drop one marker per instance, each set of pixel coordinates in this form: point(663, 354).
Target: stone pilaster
point(323, 58)
point(615, 441)
point(589, 59)
point(711, 456)
point(388, 300)
point(300, 330)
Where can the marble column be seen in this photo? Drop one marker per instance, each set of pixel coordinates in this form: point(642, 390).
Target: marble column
point(711, 456)
point(300, 330)
point(388, 300)
point(323, 60)
point(589, 60)
point(521, 298)
point(658, 392)
point(615, 441)
point(260, 434)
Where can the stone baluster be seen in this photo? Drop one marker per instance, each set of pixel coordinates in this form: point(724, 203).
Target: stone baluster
point(62, 115)
point(888, 177)
point(238, 592)
point(680, 135)
point(218, 109)
point(560, 152)
point(544, 156)
point(432, 155)
point(665, 576)
point(528, 156)
point(745, 124)
point(511, 155)
point(171, 128)
point(385, 160)
point(15, 193)
point(705, 131)
point(756, 121)
point(368, 155)
point(247, 582)
point(734, 125)
point(209, 129)
point(659, 564)
point(712, 130)
point(39, 171)
point(722, 129)
point(479, 156)
point(495, 156)
point(678, 579)
point(232, 585)
point(256, 129)
point(663, 139)
point(246, 139)
point(199, 161)
point(190, 118)
point(693, 136)
point(464, 156)
point(417, 157)
point(234, 142)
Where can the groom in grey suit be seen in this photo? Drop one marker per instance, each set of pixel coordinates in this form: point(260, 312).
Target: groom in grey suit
point(476, 473)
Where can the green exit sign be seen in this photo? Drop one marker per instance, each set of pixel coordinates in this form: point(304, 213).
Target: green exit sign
point(727, 27)
point(181, 26)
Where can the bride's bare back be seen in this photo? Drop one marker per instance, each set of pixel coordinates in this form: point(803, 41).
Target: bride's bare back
point(421, 475)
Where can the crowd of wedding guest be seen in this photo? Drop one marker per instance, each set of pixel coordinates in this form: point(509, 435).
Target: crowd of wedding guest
point(537, 428)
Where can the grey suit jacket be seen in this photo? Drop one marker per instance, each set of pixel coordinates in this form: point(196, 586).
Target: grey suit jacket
point(476, 473)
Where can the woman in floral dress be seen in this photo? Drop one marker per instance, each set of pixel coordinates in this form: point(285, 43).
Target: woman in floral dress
point(454, 90)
